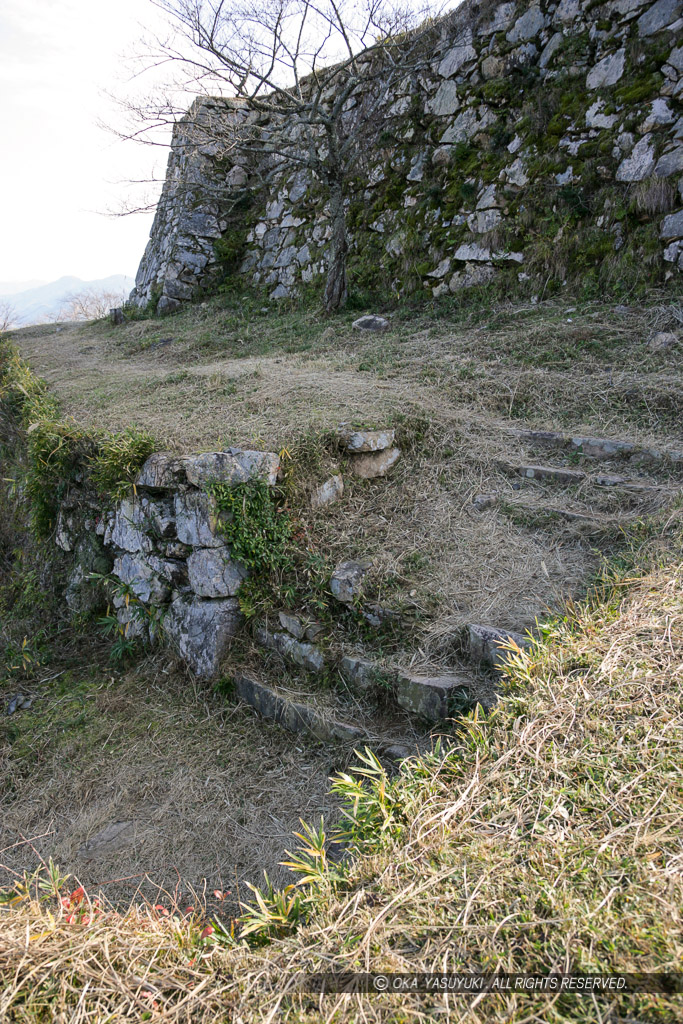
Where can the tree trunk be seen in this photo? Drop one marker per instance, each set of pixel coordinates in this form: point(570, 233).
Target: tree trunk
point(336, 290)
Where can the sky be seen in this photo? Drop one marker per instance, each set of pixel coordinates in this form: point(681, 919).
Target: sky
point(60, 173)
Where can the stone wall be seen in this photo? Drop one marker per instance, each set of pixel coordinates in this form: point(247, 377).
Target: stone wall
point(165, 546)
point(539, 141)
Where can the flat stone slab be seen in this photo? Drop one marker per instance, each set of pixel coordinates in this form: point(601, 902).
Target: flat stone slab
point(358, 441)
point(165, 471)
point(374, 464)
point(427, 697)
point(556, 473)
point(213, 573)
point(232, 467)
point(488, 644)
point(595, 447)
point(292, 715)
point(304, 655)
point(202, 630)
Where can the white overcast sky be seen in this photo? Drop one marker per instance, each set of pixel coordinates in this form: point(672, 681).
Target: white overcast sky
point(59, 172)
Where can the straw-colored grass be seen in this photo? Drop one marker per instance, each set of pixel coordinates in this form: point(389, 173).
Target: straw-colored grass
point(550, 840)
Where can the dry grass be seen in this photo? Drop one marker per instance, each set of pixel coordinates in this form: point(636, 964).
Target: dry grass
point(211, 794)
point(551, 840)
point(274, 381)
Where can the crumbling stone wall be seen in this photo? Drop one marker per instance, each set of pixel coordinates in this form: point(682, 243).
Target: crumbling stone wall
point(539, 140)
point(165, 546)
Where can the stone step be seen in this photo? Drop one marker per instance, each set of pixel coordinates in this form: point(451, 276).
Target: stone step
point(493, 646)
point(598, 447)
point(556, 474)
point(562, 475)
point(298, 716)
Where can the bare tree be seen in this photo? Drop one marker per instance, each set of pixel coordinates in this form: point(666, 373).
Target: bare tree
point(8, 317)
point(89, 304)
point(305, 82)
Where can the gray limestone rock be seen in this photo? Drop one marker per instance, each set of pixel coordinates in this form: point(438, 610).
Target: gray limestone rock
point(488, 644)
point(427, 697)
point(370, 322)
point(162, 471)
point(358, 441)
point(202, 631)
point(346, 580)
point(607, 71)
point(292, 624)
point(672, 226)
point(670, 163)
point(460, 54)
point(213, 573)
point(640, 163)
point(374, 464)
point(149, 577)
point(231, 467)
point(139, 522)
point(467, 124)
point(328, 492)
point(529, 25)
point(292, 715)
point(197, 520)
point(302, 654)
point(658, 16)
point(361, 675)
point(446, 101)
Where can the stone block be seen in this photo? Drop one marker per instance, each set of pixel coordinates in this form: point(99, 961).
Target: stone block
point(460, 54)
point(197, 520)
point(292, 624)
point(292, 715)
point(554, 473)
point(529, 25)
point(658, 16)
point(640, 163)
point(362, 675)
point(162, 471)
point(231, 467)
point(149, 577)
point(487, 644)
point(370, 322)
point(374, 464)
point(139, 522)
point(607, 71)
point(346, 580)
point(304, 655)
point(213, 573)
point(427, 697)
point(202, 630)
point(328, 492)
point(357, 441)
point(672, 226)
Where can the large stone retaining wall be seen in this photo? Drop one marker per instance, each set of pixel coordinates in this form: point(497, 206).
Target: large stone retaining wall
point(539, 140)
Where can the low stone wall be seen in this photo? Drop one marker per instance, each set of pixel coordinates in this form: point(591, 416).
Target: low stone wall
point(540, 140)
point(164, 545)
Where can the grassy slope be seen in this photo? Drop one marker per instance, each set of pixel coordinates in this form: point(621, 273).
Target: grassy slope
point(543, 843)
point(550, 840)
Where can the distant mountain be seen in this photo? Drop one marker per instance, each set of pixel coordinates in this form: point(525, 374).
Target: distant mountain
point(33, 305)
point(12, 287)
